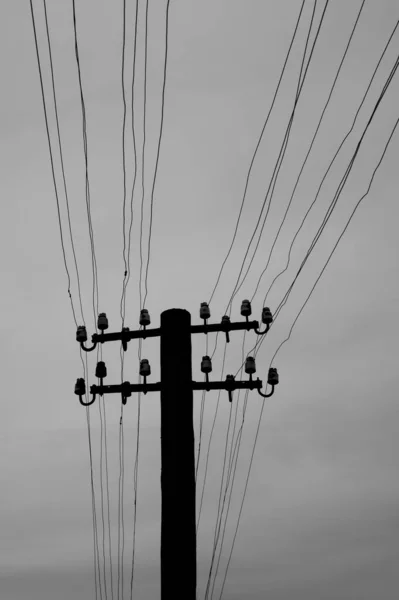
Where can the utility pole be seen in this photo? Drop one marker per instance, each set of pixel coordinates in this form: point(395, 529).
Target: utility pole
point(178, 526)
point(178, 519)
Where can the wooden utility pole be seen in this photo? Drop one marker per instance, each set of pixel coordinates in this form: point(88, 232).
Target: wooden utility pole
point(178, 520)
point(178, 526)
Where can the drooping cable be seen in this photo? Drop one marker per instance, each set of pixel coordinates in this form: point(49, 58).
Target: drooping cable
point(340, 187)
point(310, 147)
point(158, 148)
point(329, 167)
point(123, 157)
point(121, 523)
point(99, 357)
point(335, 197)
point(62, 158)
point(126, 282)
point(210, 439)
point(317, 280)
point(143, 153)
point(135, 477)
point(282, 152)
point(52, 161)
point(233, 470)
point(97, 568)
point(255, 153)
point(95, 293)
point(202, 410)
point(338, 240)
point(108, 502)
point(221, 503)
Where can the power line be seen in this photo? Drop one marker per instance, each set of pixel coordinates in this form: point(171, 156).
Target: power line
point(52, 161)
point(303, 306)
point(62, 158)
point(256, 151)
point(85, 149)
point(210, 439)
point(335, 197)
point(310, 146)
point(158, 148)
point(143, 152)
point(123, 155)
point(339, 239)
point(331, 163)
point(124, 292)
point(281, 155)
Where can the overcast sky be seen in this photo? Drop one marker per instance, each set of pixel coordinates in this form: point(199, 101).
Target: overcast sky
point(320, 517)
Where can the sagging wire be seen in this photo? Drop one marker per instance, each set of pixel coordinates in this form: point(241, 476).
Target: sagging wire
point(52, 161)
point(310, 147)
point(143, 153)
point(135, 478)
point(95, 292)
point(284, 341)
point(210, 439)
point(126, 281)
point(256, 151)
point(328, 170)
point(281, 156)
point(158, 149)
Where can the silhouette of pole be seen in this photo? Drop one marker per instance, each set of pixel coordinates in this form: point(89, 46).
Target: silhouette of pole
point(178, 525)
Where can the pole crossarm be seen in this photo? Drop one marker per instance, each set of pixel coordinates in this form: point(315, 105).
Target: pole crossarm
point(157, 387)
point(126, 336)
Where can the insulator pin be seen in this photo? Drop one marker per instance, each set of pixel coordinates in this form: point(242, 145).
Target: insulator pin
point(206, 364)
point(80, 387)
point(81, 334)
point(145, 369)
point(250, 366)
point(101, 370)
point(267, 316)
point(205, 313)
point(272, 378)
point(144, 317)
point(246, 309)
point(102, 322)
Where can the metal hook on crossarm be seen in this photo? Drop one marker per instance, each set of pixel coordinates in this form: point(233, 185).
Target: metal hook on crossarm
point(272, 379)
point(80, 390)
point(267, 319)
point(266, 395)
point(81, 337)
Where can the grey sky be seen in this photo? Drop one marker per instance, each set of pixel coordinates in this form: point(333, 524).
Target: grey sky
point(320, 517)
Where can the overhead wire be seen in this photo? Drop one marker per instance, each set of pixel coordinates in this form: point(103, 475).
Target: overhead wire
point(95, 293)
point(99, 351)
point(158, 149)
point(341, 185)
point(123, 158)
point(221, 503)
point(126, 282)
point(310, 147)
point(210, 440)
point(62, 158)
point(329, 167)
point(335, 196)
point(338, 240)
point(282, 151)
point(143, 152)
point(276, 170)
point(202, 410)
point(52, 161)
point(303, 306)
point(139, 353)
point(232, 469)
point(255, 153)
